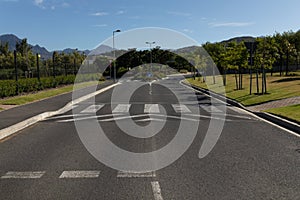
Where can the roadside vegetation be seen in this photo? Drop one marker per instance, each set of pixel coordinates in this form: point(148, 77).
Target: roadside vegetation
point(36, 96)
point(290, 112)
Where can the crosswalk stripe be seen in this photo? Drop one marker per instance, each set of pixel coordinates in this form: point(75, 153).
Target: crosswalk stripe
point(23, 175)
point(92, 108)
point(122, 174)
point(151, 108)
point(211, 109)
point(180, 108)
point(124, 108)
point(80, 174)
point(156, 190)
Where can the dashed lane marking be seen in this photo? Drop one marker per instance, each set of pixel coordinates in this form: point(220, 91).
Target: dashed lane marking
point(80, 174)
point(23, 175)
point(122, 174)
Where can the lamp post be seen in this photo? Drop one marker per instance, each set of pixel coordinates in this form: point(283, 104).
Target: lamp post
point(115, 73)
point(38, 66)
point(150, 44)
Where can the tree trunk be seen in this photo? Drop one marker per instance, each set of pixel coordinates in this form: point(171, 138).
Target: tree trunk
point(250, 92)
point(257, 84)
point(224, 77)
point(262, 81)
point(287, 64)
point(236, 81)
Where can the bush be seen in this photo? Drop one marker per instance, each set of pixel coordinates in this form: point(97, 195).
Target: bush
point(8, 87)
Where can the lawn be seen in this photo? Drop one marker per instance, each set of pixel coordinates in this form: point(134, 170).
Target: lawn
point(277, 88)
point(27, 98)
point(291, 112)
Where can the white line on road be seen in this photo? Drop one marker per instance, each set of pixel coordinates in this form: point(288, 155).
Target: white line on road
point(180, 108)
point(24, 175)
point(156, 190)
point(211, 109)
point(122, 108)
point(89, 117)
point(80, 174)
point(122, 174)
point(151, 108)
point(92, 108)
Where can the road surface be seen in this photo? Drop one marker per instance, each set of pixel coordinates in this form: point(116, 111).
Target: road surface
point(251, 160)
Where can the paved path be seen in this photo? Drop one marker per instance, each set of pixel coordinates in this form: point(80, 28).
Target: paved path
point(275, 104)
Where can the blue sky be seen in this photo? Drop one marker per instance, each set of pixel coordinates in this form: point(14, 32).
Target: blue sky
point(83, 24)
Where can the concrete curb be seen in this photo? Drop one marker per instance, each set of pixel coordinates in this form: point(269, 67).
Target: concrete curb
point(6, 132)
point(267, 116)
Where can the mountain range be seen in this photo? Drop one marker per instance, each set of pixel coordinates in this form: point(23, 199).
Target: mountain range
point(12, 40)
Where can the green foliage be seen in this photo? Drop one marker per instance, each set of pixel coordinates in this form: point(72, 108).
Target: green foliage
point(8, 87)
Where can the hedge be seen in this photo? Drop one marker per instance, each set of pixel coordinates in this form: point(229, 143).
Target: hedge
point(8, 87)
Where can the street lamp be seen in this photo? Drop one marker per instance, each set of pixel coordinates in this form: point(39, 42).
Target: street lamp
point(115, 73)
point(38, 66)
point(150, 44)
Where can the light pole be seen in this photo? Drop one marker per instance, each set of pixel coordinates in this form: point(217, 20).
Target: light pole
point(115, 73)
point(150, 44)
point(38, 66)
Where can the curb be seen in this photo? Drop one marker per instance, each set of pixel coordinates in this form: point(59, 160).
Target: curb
point(267, 116)
point(6, 132)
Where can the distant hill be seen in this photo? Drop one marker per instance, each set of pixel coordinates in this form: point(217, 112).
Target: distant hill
point(240, 39)
point(12, 40)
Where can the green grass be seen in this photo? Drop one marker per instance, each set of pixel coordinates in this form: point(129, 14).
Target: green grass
point(277, 88)
point(290, 112)
point(28, 98)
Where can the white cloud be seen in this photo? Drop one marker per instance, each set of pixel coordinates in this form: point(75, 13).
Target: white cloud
point(231, 24)
point(182, 14)
point(38, 2)
point(99, 14)
point(120, 12)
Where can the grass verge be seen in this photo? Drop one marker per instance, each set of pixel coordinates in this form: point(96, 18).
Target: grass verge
point(277, 88)
point(290, 112)
point(28, 98)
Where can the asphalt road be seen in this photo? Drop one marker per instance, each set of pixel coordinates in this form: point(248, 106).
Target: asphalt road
point(251, 160)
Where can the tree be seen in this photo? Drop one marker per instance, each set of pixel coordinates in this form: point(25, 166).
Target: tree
point(264, 58)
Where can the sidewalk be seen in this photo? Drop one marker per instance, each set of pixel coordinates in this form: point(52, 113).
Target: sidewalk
point(275, 104)
point(20, 113)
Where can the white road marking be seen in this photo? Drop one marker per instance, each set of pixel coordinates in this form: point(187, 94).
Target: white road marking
point(151, 108)
point(92, 108)
point(211, 109)
point(80, 174)
point(122, 108)
point(150, 119)
point(122, 174)
point(89, 117)
point(66, 116)
point(23, 175)
point(156, 190)
point(180, 108)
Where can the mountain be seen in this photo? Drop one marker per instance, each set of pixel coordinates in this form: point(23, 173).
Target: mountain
point(240, 39)
point(12, 40)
